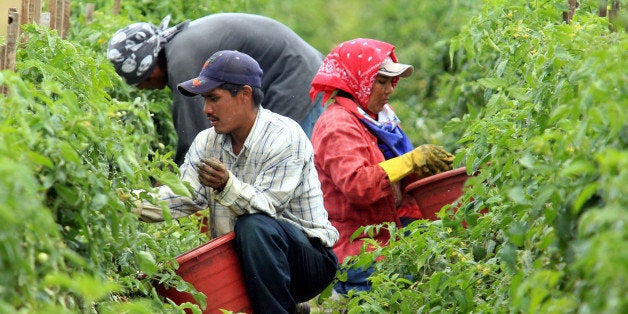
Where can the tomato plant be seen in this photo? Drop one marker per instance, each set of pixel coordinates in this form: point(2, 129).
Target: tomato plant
point(547, 131)
point(534, 104)
point(71, 155)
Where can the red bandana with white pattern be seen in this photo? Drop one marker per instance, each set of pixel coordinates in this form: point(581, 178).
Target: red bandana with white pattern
point(352, 67)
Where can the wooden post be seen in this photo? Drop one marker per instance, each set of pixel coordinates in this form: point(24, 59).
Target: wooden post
point(24, 12)
point(3, 49)
point(2, 57)
point(59, 17)
point(65, 30)
point(3, 52)
point(601, 8)
point(52, 9)
point(31, 11)
point(116, 7)
point(567, 16)
point(613, 16)
point(26, 15)
point(89, 13)
point(8, 49)
point(4, 10)
point(36, 10)
point(12, 34)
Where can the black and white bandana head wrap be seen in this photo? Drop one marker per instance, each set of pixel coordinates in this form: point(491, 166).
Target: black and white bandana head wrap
point(133, 50)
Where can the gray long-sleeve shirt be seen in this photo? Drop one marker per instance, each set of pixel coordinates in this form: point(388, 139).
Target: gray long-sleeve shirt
point(289, 64)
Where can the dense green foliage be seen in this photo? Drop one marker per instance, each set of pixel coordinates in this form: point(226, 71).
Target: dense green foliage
point(499, 82)
point(549, 115)
point(71, 155)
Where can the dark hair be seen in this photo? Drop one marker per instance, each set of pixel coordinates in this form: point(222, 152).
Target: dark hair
point(234, 89)
point(341, 93)
point(162, 62)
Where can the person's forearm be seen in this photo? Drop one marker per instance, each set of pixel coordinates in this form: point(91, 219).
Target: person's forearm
point(178, 206)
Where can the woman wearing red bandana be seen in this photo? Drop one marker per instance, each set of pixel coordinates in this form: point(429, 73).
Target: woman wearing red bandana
point(362, 156)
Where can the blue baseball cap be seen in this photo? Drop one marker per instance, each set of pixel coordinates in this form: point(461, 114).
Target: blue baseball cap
point(226, 66)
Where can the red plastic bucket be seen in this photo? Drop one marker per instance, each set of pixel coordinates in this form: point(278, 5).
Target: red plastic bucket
point(434, 192)
point(213, 269)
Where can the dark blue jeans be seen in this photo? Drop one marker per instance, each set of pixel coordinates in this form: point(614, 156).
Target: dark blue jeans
point(281, 265)
point(357, 279)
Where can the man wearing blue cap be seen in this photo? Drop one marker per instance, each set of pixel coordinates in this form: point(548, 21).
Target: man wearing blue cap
point(153, 57)
point(254, 169)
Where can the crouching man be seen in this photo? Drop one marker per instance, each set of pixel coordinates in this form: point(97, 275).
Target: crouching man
point(255, 172)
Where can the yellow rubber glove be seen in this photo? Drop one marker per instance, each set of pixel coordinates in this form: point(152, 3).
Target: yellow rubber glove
point(425, 160)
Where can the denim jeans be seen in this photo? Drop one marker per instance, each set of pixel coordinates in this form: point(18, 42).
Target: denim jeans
point(357, 279)
point(281, 265)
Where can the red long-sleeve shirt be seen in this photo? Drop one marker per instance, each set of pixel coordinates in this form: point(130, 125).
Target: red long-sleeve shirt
point(356, 190)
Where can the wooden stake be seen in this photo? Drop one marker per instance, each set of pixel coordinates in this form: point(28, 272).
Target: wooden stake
point(36, 10)
point(65, 30)
point(116, 7)
point(601, 8)
point(613, 16)
point(12, 34)
point(31, 11)
point(573, 5)
point(9, 47)
point(52, 8)
point(3, 52)
point(59, 17)
point(24, 14)
point(89, 12)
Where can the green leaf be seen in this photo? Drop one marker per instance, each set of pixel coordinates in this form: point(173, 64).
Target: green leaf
point(124, 166)
point(517, 195)
point(527, 161)
point(173, 181)
point(99, 201)
point(146, 262)
point(493, 82)
point(68, 153)
point(435, 282)
point(560, 112)
point(578, 168)
point(508, 254)
point(90, 288)
point(461, 300)
point(517, 233)
point(585, 194)
point(40, 159)
point(518, 93)
point(67, 194)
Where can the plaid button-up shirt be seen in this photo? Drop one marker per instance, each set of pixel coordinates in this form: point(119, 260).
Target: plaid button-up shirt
point(274, 174)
